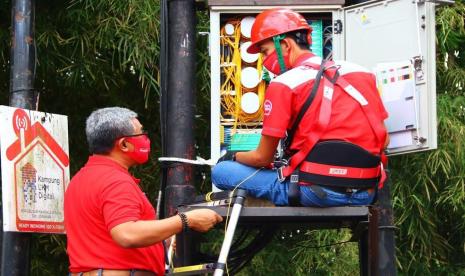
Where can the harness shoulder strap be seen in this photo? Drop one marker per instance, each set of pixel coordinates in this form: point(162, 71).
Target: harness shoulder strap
point(323, 121)
point(306, 105)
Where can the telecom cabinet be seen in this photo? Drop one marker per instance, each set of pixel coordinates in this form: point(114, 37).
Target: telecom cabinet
point(395, 39)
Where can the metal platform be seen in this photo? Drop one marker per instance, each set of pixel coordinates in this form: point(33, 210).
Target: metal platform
point(310, 217)
point(362, 220)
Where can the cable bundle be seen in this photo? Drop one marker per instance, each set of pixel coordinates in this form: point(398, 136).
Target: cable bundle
point(327, 42)
point(246, 245)
point(237, 109)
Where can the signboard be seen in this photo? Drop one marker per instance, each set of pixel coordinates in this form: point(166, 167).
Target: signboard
point(34, 169)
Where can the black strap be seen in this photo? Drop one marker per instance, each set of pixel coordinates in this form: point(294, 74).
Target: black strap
point(303, 110)
point(293, 192)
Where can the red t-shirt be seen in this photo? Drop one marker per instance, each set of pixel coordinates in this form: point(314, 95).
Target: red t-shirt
point(100, 196)
point(287, 93)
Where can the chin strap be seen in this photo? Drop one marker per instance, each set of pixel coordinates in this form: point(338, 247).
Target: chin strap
point(266, 75)
point(277, 45)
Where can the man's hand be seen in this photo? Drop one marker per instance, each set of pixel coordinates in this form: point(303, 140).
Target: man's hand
point(202, 220)
point(142, 233)
point(228, 156)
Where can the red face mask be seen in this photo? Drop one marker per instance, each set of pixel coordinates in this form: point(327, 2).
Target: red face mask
point(141, 151)
point(271, 63)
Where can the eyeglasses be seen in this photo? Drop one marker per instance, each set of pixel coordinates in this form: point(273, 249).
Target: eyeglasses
point(135, 135)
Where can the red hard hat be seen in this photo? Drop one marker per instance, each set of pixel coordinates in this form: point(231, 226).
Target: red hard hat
point(274, 22)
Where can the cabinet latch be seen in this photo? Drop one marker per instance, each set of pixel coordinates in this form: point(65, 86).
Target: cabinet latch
point(337, 28)
point(417, 62)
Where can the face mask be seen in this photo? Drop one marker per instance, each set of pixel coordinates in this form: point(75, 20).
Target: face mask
point(141, 151)
point(271, 63)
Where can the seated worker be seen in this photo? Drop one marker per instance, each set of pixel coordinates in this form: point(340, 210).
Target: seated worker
point(344, 117)
point(110, 224)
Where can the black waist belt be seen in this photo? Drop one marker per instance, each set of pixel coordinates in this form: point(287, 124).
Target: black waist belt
point(340, 165)
point(335, 165)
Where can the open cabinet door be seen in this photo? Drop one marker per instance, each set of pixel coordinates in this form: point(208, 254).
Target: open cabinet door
point(396, 40)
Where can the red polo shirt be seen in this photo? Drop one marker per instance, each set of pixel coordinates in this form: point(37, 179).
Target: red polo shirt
point(287, 93)
point(100, 196)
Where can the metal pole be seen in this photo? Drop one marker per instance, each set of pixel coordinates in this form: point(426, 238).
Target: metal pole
point(180, 108)
point(15, 246)
point(387, 246)
point(164, 50)
point(23, 60)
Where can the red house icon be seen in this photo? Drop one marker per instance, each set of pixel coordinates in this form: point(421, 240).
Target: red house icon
point(27, 134)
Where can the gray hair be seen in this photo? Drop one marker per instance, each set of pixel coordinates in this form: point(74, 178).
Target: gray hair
point(105, 125)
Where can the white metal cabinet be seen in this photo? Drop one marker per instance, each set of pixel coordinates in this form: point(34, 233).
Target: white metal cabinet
point(397, 30)
point(368, 34)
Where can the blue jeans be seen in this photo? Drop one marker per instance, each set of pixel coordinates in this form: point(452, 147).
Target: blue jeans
point(264, 183)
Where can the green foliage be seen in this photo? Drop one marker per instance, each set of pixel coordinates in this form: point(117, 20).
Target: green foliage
point(48, 255)
point(87, 42)
point(326, 253)
point(298, 253)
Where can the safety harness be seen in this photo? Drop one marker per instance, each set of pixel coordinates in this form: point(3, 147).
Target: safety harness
point(333, 164)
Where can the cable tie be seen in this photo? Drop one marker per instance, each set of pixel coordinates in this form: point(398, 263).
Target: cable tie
point(198, 161)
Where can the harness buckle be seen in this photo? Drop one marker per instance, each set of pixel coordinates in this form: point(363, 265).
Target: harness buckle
point(281, 177)
point(280, 163)
point(294, 177)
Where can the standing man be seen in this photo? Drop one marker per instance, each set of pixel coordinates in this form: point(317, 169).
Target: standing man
point(110, 224)
point(344, 108)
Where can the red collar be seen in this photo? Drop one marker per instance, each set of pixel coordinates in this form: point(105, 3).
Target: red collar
point(101, 160)
point(302, 58)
